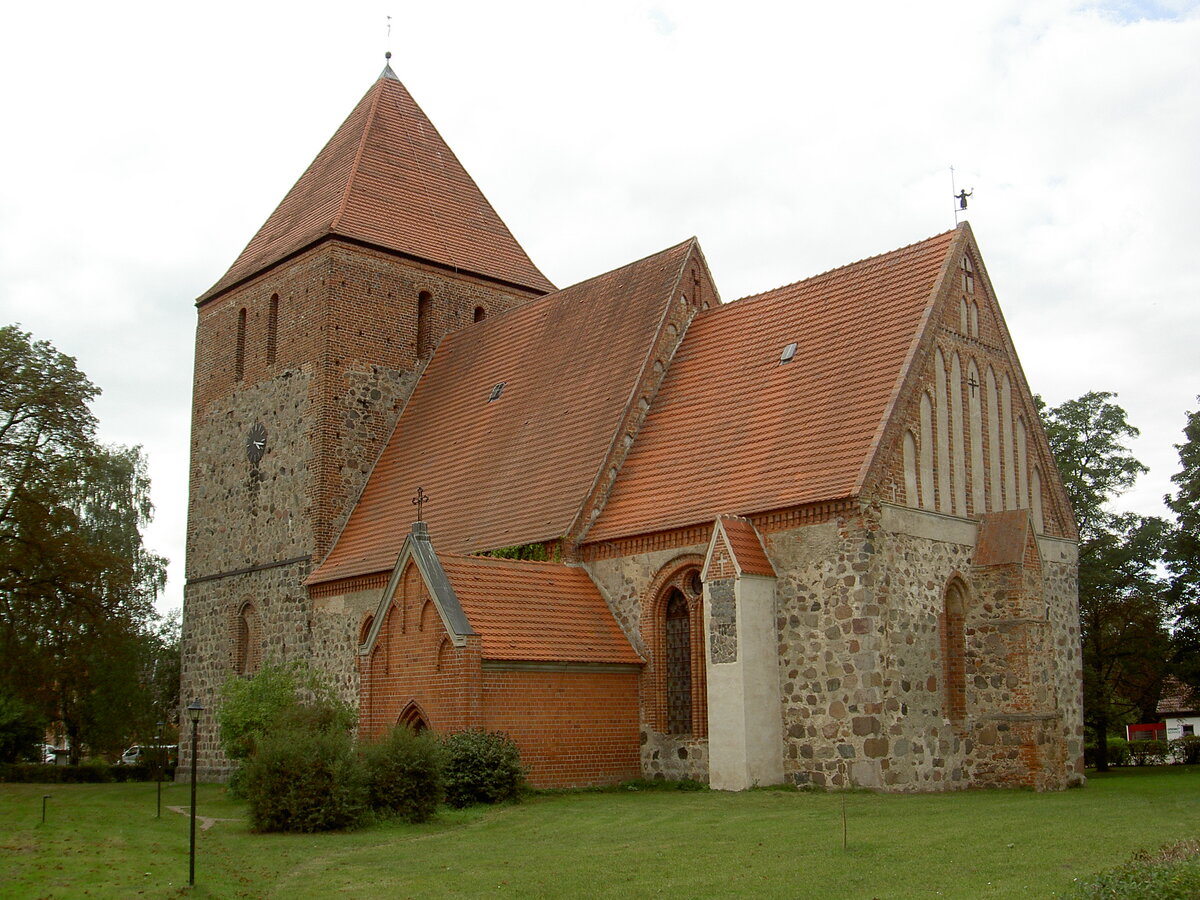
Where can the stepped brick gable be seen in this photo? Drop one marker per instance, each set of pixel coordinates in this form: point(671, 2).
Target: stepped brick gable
point(813, 536)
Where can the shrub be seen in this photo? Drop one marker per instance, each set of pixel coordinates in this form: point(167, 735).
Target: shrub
point(1148, 753)
point(1173, 873)
point(305, 780)
point(1118, 752)
point(21, 728)
point(250, 707)
point(404, 774)
point(1186, 750)
point(481, 767)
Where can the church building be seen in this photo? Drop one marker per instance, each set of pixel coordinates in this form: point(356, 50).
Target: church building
point(813, 536)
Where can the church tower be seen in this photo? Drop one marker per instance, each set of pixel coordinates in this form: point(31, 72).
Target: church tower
point(306, 350)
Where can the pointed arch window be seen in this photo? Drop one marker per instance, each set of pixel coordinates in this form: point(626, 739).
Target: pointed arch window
point(954, 651)
point(247, 641)
point(673, 627)
point(678, 631)
point(968, 274)
point(413, 718)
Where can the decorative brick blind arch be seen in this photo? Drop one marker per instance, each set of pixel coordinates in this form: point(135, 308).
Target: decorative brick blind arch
point(952, 626)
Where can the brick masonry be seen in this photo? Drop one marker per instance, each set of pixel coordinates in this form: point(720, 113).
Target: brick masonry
point(322, 352)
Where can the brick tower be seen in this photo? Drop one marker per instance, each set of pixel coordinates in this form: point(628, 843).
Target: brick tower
point(306, 349)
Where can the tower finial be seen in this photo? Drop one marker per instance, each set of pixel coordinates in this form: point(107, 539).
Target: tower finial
point(387, 56)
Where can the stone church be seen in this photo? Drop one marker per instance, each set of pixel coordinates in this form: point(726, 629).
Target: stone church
point(814, 535)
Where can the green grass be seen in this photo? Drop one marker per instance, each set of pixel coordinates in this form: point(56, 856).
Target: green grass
point(104, 841)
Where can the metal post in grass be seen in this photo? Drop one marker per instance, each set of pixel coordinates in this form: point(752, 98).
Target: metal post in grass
point(159, 774)
point(45, 797)
point(194, 709)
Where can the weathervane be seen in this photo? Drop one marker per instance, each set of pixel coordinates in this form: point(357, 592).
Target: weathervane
point(419, 501)
point(960, 196)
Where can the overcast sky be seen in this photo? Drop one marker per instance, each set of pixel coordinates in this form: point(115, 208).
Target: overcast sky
point(145, 143)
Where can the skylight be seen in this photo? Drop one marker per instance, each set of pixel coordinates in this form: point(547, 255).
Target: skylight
point(788, 352)
point(497, 391)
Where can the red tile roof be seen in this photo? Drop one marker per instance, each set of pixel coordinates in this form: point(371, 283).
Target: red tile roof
point(514, 470)
point(1177, 698)
point(733, 429)
point(387, 178)
point(746, 547)
point(536, 612)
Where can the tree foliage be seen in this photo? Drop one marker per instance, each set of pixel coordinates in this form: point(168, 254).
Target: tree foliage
point(1183, 552)
point(77, 585)
point(1122, 599)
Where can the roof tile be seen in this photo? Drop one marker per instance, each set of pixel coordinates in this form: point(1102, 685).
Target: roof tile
point(734, 429)
point(537, 612)
point(514, 470)
point(387, 178)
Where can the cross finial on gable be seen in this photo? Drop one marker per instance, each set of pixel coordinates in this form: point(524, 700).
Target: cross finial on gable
point(419, 501)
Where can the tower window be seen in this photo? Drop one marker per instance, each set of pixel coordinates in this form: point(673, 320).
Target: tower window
point(239, 361)
point(424, 325)
point(272, 329)
point(480, 314)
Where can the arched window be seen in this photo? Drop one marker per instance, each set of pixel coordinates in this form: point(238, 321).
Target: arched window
point(968, 275)
point(954, 651)
point(413, 718)
point(679, 664)
point(272, 329)
point(239, 360)
point(365, 631)
point(673, 625)
point(247, 641)
point(480, 314)
point(424, 325)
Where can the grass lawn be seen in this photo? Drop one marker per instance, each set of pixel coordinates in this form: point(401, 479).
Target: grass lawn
point(104, 841)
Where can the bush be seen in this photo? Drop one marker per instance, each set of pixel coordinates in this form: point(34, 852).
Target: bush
point(305, 780)
point(481, 767)
point(88, 773)
point(1186, 750)
point(21, 729)
point(404, 774)
point(1173, 873)
point(1148, 753)
point(250, 706)
point(1118, 752)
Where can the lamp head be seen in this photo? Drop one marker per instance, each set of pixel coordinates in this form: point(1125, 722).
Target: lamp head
point(194, 709)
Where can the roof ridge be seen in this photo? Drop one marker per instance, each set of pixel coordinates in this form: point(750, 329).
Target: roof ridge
point(850, 265)
point(377, 92)
point(579, 527)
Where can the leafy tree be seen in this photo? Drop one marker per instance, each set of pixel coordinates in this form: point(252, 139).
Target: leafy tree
point(20, 729)
point(77, 586)
point(1122, 599)
point(1183, 552)
point(276, 696)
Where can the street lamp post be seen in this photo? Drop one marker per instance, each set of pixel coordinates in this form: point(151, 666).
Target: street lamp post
point(194, 709)
point(159, 774)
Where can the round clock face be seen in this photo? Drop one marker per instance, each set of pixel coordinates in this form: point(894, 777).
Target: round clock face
point(256, 443)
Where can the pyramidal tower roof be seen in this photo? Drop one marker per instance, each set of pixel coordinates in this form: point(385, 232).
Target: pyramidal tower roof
point(388, 179)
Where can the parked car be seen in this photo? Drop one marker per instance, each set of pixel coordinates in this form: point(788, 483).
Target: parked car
point(149, 755)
